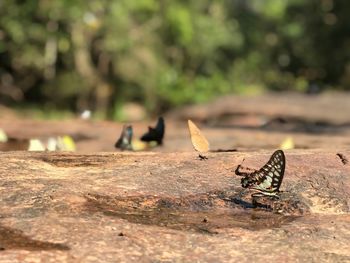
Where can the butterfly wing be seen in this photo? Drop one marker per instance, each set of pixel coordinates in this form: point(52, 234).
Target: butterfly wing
point(268, 179)
point(272, 173)
point(155, 134)
point(160, 128)
point(124, 141)
point(199, 142)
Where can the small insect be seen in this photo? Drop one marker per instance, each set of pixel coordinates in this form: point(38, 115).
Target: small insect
point(199, 142)
point(342, 157)
point(202, 157)
point(267, 180)
point(155, 134)
point(124, 141)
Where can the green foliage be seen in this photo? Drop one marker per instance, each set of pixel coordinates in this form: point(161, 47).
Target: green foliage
point(99, 54)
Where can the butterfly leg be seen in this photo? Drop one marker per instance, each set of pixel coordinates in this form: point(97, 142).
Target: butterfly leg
point(202, 157)
point(255, 197)
point(255, 203)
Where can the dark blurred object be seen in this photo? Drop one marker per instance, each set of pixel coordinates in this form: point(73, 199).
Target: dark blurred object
point(343, 159)
point(14, 144)
point(155, 134)
point(124, 141)
point(313, 89)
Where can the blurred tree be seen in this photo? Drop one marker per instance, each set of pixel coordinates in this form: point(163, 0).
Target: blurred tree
point(100, 54)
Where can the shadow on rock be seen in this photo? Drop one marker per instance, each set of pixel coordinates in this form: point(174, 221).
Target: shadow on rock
point(205, 213)
point(15, 239)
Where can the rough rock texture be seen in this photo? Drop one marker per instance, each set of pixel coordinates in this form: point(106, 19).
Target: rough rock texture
point(170, 207)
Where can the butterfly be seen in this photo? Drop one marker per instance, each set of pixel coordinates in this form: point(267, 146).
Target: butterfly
point(124, 141)
point(267, 180)
point(199, 142)
point(155, 134)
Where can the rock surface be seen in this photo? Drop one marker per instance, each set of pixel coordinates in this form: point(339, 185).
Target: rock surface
point(169, 207)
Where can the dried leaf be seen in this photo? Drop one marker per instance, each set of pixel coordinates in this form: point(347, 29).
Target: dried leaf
point(199, 142)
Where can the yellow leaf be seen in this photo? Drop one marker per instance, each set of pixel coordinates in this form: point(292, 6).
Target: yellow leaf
point(138, 145)
point(287, 144)
point(3, 136)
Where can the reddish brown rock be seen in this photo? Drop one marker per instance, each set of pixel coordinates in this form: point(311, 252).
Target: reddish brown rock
point(166, 207)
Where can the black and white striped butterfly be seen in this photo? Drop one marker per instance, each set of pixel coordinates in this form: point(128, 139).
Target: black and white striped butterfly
point(267, 180)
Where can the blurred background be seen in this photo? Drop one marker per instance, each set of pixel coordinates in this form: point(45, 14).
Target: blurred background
point(58, 58)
